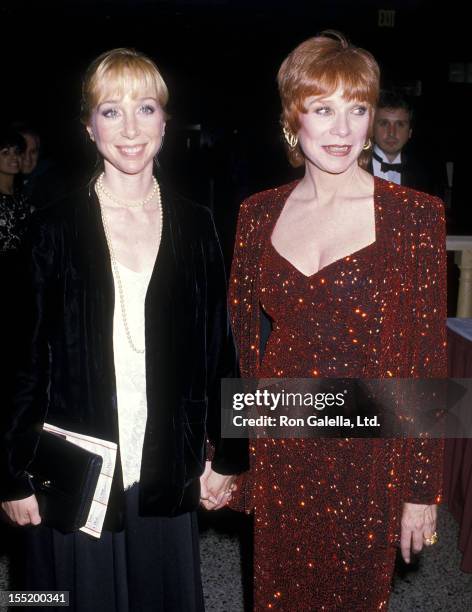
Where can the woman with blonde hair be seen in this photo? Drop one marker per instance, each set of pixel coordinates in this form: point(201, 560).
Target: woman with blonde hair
point(349, 271)
point(127, 339)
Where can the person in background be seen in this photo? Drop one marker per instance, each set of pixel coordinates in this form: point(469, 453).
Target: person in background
point(15, 215)
point(14, 206)
point(40, 178)
point(390, 161)
point(126, 339)
point(349, 271)
point(30, 157)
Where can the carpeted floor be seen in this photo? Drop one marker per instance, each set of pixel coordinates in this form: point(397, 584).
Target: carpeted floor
point(437, 585)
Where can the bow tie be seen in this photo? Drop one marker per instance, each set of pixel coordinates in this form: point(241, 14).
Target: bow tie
point(386, 166)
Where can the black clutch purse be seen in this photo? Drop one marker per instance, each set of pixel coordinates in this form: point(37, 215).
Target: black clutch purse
point(64, 477)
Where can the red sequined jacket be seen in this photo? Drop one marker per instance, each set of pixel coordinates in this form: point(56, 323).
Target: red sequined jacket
point(413, 337)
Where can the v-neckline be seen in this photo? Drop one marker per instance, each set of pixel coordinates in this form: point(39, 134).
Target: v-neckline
point(336, 261)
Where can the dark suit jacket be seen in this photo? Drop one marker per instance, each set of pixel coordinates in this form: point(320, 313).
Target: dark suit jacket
point(419, 176)
point(66, 375)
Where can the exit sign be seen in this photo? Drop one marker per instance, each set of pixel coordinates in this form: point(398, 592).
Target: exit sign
point(386, 18)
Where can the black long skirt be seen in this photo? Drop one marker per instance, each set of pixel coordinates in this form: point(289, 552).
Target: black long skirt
point(152, 565)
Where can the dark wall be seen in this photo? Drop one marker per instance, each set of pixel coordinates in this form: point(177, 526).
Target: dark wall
point(220, 59)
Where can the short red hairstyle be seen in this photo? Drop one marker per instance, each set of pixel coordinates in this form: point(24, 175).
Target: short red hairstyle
point(319, 66)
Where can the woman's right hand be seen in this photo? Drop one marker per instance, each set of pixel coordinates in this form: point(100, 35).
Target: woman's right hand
point(23, 511)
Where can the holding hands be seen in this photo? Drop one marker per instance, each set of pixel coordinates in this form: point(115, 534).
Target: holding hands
point(215, 493)
point(215, 488)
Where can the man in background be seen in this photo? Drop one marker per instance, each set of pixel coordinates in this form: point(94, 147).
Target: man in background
point(31, 154)
point(392, 131)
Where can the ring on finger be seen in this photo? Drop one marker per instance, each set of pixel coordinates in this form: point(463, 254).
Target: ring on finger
point(433, 539)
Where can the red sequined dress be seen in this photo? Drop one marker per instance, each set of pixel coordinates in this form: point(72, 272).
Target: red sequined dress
point(327, 511)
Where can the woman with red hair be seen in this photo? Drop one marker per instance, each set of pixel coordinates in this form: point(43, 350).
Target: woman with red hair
point(349, 270)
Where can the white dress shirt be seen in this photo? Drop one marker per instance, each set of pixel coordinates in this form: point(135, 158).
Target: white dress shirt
point(391, 175)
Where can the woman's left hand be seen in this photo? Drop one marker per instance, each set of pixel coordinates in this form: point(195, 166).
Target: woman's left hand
point(418, 525)
point(215, 488)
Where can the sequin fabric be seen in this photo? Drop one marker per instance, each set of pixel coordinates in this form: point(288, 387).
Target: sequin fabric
point(327, 512)
point(14, 216)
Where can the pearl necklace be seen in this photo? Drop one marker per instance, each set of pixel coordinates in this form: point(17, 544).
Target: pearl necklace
point(114, 263)
point(127, 204)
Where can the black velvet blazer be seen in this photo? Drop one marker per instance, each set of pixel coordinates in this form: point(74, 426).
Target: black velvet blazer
point(66, 372)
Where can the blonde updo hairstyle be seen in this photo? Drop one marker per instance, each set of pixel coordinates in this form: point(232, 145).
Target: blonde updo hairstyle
point(317, 67)
point(116, 73)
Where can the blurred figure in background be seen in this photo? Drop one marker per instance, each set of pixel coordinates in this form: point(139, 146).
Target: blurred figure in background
point(392, 132)
point(14, 218)
point(14, 208)
point(30, 157)
point(39, 179)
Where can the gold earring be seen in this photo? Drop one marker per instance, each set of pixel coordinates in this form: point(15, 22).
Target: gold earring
point(291, 139)
point(367, 145)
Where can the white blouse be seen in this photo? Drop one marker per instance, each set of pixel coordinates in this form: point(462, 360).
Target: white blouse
point(130, 370)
